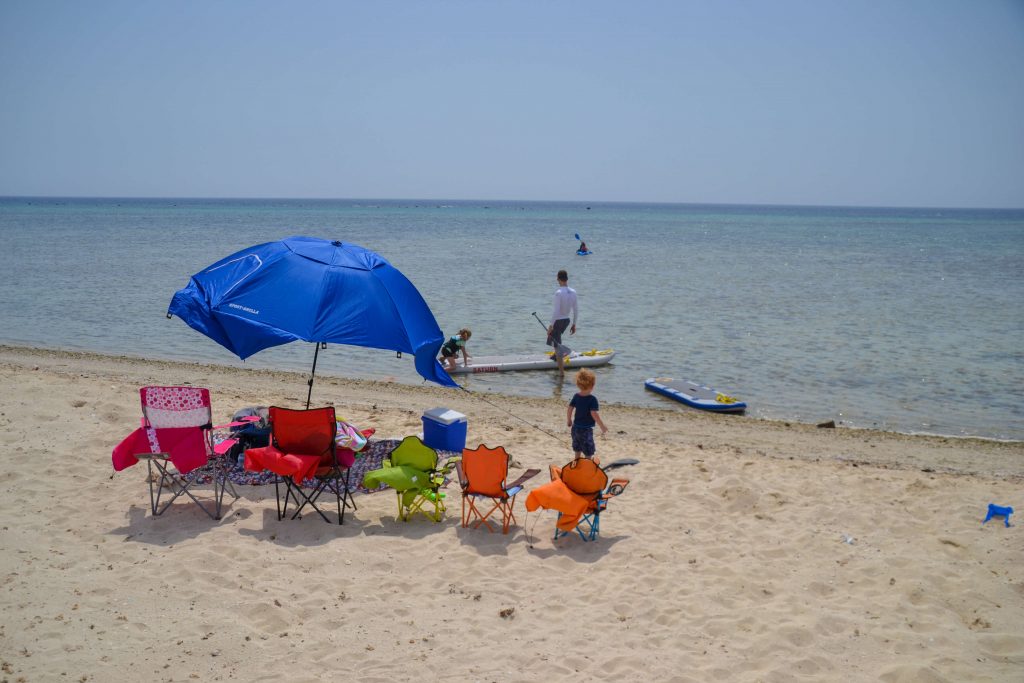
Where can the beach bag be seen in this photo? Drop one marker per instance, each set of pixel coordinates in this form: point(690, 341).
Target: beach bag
point(350, 437)
point(262, 412)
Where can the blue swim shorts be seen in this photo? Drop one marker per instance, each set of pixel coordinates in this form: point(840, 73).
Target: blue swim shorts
point(583, 440)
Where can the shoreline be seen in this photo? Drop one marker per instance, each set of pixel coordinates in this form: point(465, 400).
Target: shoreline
point(664, 405)
point(548, 410)
point(742, 550)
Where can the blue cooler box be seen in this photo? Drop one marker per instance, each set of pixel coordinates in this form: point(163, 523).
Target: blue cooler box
point(444, 429)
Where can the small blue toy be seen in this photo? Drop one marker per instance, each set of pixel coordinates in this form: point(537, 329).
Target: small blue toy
point(998, 511)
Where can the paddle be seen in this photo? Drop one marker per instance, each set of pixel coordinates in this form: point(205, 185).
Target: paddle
point(562, 349)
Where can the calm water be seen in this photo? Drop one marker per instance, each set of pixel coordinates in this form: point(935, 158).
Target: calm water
point(910, 320)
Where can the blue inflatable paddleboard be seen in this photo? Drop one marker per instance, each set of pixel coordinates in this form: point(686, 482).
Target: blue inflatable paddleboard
point(695, 395)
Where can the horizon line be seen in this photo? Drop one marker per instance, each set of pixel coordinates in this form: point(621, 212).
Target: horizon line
point(511, 201)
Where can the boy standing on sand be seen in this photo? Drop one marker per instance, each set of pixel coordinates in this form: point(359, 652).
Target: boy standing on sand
point(585, 404)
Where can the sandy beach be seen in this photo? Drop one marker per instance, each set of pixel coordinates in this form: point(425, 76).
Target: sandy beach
point(724, 560)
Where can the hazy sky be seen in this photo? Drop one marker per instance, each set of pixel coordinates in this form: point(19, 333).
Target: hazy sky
point(862, 102)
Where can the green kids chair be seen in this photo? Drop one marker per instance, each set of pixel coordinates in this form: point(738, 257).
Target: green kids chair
point(412, 471)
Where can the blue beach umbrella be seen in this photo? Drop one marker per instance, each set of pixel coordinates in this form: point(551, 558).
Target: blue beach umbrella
point(314, 290)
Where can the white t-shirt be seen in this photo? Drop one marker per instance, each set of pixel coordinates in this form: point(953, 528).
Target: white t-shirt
point(565, 304)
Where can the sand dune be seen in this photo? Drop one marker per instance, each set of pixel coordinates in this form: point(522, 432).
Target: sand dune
point(742, 550)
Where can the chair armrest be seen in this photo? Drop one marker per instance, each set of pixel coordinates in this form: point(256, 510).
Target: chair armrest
point(224, 446)
point(616, 487)
point(523, 478)
point(152, 456)
point(449, 464)
point(238, 423)
point(463, 482)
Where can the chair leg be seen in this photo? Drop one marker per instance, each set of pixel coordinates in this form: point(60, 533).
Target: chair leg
point(346, 497)
point(221, 484)
point(348, 500)
point(419, 503)
point(154, 498)
point(350, 487)
point(511, 512)
point(508, 517)
point(311, 501)
point(588, 528)
point(579, 528)
point(179, 485)
point(341, 490)
point(415, 506)
point(592, 528)
point(227, 483)
point(332, 483)
point(158, 484)
point(212, 514)
point(340, 498)
point(436, 497)
point(302, 500)
point(277, 497)
point(480, 517)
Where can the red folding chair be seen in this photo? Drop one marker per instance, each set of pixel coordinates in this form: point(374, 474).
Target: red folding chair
point(303, 448)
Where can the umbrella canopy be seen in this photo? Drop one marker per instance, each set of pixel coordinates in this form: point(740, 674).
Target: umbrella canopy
point(309, 289)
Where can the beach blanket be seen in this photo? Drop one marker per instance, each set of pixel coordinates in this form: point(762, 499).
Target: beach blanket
point(370, 458)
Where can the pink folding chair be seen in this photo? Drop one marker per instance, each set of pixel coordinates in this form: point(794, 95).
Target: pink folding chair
point(177, 429)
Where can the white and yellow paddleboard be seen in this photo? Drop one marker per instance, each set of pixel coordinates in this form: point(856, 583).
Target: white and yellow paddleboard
point(585, 359)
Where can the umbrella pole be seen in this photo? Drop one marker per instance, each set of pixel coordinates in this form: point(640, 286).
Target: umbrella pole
point(309, 396)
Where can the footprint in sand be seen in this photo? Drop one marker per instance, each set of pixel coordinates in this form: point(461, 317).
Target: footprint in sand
point(1008, 647)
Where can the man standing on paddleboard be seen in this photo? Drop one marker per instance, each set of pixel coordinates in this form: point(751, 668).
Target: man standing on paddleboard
point(564, 313)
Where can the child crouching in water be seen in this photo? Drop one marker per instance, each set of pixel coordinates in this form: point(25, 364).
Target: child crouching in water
point(450, 349)
point(585, 404)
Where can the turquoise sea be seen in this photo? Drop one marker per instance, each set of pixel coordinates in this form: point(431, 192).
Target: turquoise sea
point(903, 319)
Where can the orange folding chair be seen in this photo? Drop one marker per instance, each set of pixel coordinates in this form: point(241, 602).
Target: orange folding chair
point(580, 492)
point(482, 474)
